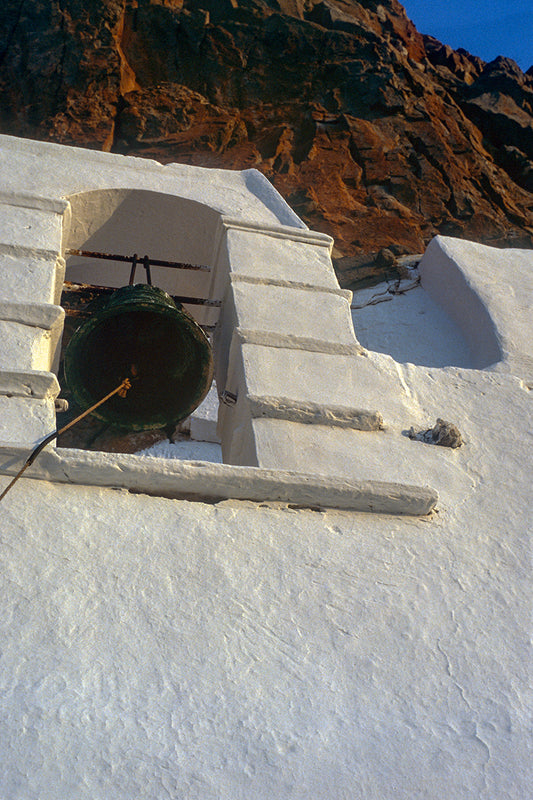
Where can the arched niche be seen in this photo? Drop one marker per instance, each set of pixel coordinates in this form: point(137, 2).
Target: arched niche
point(128, 221)
point(135, 221)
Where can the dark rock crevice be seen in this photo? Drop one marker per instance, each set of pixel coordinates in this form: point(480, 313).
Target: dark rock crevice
point(10, 24)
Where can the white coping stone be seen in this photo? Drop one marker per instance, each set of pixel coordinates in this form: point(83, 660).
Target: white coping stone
point(210, 482)
point(29, 335)
point(59, 171)
point(260, 255)
point(56, 205)
point(30, 227)
point(31, 279)
point(319, 315)
point(305, 375)
point(286, 283)
point(29, 384)
point(277, 231)
point(314, 413)
point(38, 315)
point(290, 341)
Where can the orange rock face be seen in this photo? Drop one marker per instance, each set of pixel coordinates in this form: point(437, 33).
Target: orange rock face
point(372, 132)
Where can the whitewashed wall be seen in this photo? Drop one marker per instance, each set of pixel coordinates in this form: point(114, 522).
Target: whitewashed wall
point(159, 648)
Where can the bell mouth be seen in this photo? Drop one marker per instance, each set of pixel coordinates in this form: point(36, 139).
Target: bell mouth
point(141, 334)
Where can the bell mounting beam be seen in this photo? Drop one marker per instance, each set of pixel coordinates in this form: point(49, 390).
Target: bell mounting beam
point(153, 262)
point(72, 289)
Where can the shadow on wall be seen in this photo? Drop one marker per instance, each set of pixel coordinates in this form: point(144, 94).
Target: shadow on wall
point(448, 284)
point(433, 319)
point(125, 221)
point(410, 327)
point(413, 328)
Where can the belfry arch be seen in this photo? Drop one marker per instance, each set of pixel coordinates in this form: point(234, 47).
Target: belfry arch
point(116, 237)
point(137, 221)
point(286, 360)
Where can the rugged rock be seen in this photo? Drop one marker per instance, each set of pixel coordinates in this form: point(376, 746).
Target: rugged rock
point(374, 133)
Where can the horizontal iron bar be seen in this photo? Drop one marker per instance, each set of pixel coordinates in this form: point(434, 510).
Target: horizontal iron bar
point(154, 262)
point(192, 301)
point(196, 301)
point(73, 312)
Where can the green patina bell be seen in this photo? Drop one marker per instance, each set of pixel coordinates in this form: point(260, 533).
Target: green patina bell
point(141, 334)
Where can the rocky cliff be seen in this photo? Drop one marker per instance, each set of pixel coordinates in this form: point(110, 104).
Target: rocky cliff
point(374, 133)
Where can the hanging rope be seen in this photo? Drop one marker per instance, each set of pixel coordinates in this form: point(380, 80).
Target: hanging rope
point(120, 390)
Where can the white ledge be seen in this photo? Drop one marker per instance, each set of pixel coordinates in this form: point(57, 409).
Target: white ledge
point(22, 252)
point(238, 277)
point(56, 205)
point(36, 384)
point(279, 231)
point(210, 483)
point(36, 315)
point(288, 341)
point(310, 413)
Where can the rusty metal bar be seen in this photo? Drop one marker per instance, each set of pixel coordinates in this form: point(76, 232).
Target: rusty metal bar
point(131, 260)
point(196, 301)
point(192, 301)
point(133, 269)
point(146, 265)
point(189, 301)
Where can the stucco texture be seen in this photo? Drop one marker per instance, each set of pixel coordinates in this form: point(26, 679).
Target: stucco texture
point(153, 648)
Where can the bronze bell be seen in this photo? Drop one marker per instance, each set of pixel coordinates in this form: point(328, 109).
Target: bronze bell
point(143, 335)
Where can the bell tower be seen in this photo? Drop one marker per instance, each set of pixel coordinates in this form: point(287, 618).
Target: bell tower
point(298, 394)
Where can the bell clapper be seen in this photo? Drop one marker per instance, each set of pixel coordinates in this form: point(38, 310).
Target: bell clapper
point(123, 388)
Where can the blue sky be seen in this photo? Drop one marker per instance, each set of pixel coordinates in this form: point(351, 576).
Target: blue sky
point(485, 28)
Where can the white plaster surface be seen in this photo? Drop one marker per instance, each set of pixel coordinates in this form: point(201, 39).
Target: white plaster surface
point(489, 293)
point(409, 327)
point(22, 419)
point(203, 421)
point(30, 227)
point(24, 346)
point(265, 257)
point(205, 481)
point(294, 311)
point(33, 383)
point(30, 279)
point(158, 648)
point(54, 171)
point(186, 449)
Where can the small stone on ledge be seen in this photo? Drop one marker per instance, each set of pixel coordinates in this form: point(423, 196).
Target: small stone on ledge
point(443, 433)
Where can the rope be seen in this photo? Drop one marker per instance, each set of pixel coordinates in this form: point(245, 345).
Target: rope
point(120, 390)
point(396, 288)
